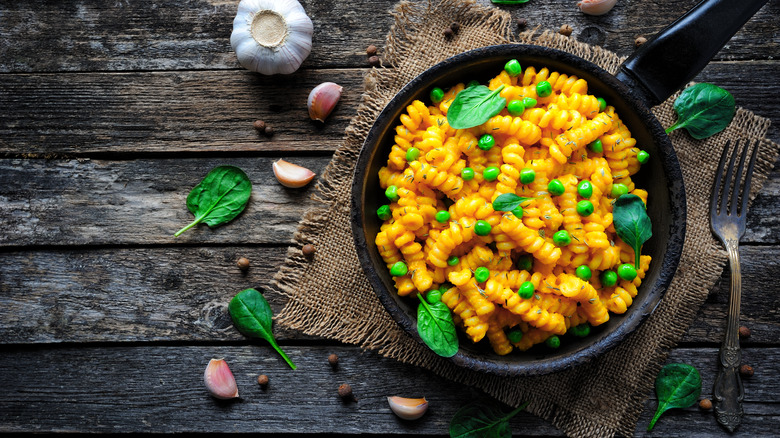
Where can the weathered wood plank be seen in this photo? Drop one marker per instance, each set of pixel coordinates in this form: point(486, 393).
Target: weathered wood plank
point(160, 389)
point(176, 294)
point(212, 111)
point(195, 34)
point(94, 202)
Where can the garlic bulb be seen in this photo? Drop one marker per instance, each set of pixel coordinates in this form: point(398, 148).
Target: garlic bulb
point(596, 7)
point(271, 36)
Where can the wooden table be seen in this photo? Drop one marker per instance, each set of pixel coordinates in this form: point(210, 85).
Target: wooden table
point(113, 111)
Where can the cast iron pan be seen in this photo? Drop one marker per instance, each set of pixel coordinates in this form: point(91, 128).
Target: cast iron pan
point(658, 68)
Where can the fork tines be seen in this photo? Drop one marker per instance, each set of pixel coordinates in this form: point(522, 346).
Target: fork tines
point(722, 194)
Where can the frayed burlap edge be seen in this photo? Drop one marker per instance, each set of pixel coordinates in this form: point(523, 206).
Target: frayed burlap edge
point(330, 296)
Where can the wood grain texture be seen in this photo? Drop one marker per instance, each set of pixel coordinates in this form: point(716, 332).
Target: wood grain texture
point(160, 389)
point(180, 295)
point(212, 111)
point(94, 35)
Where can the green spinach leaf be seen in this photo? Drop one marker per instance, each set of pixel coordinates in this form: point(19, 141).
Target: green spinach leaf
point(678, 385)
point(475, 106)
point(632, 223)
point(704, 110)
point(509, 2)
point(436, 327)
point(253, 317)
point(482, 420)
point(219, 198)
point(508, 202)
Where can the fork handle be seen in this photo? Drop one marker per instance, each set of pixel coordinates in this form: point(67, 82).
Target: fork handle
point(728, 391)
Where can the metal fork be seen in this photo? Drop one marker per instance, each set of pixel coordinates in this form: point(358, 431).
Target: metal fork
point(727, 220)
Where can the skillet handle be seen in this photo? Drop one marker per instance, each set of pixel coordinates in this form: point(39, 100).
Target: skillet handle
point(674, 56)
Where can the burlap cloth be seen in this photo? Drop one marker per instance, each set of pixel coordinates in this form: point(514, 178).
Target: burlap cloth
point(330, 296)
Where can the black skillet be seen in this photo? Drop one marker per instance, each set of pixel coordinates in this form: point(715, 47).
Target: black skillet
point(653, 73)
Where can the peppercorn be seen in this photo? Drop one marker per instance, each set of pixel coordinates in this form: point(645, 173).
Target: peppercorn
point(705, 404)
point(522, 23)
point(746, 370)
point(565, 30)
point(259, 125)
point(243, 263)
point(269, 131)
point(744, 332)
point(262, 380)
point(371, 50)
point(308, 250)
point(455, 27)
point(333, 360)
point(345, 392)
point(448, 33)
point(639, 41)
point(373, 60)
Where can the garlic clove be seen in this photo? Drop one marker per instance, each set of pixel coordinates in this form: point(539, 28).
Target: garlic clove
point(322, 99)
point(292, 175)
point(219, 380)
point(596, 7)
point(408, 408)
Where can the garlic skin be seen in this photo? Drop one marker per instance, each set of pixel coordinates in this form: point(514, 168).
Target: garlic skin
point(408, 408)
point(219, 380)
point(596, 7)
point(322, 99)
point(271, 36)
point(292, 175)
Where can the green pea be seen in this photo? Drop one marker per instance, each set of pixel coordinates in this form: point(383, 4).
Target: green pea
point(619, 190)
point(433, 296)
point(556, 187)
point(525, 262)
point(626, 271)
point(513, 67)
point(543, 89)
point(585, 208)
point(518, 212)
point(399, 269)
point(384, 212)
point(491, 173)
point(445, 287)
point(585, 189)
point(486, 142)
point(392, 193)
point(553, 341)
point(482, 228)
point(596, 146)
point(472, 83)
point(453, 260)
point(526, 290)
point(527, 176)
point(608, 278)
point(412, 154)
point(442, 216)
point(642, 157)
point(481, 274)
point(467, 174)
point(515, 107)
point(437, 94)
point(529, 102)
point(561, 238)
point(602, 104)
point(583, 272)
point(581, 330)
point(514, 336)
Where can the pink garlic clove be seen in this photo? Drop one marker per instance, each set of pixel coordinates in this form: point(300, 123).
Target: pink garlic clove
point(322, 99)
point(219, 380)
point(408, 408)
point(596, 7)
point(292, 175)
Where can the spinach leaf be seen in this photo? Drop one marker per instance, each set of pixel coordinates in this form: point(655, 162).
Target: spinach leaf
point(482, 420)
point(253, 317)
point(475, 106)
point(632, 223)
point(436, 327)
point(678, 386)
point(509, 2)
point(704, 110)
point(219, 198)
point(508, 202)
